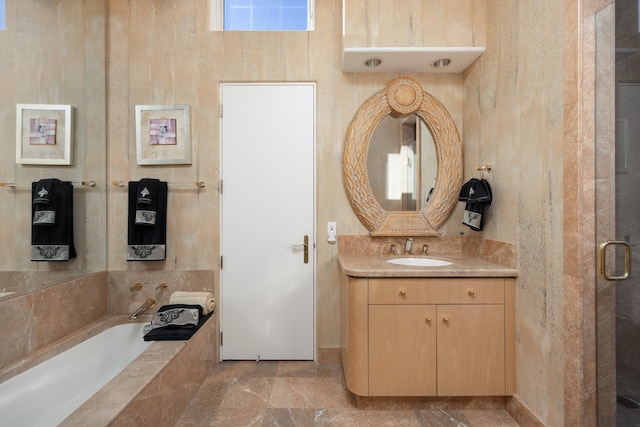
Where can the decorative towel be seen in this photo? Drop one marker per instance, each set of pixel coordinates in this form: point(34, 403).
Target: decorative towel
point(203, 299)
point(52, 224)
point(147, 230)
point(175, 322)
point(476, 193)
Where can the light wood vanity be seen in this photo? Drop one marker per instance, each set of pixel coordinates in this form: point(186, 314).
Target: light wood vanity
point(446, 331)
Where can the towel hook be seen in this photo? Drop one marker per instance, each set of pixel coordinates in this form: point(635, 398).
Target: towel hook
point(484, 169)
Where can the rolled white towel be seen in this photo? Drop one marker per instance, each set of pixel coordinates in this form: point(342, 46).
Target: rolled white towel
point(204, 299)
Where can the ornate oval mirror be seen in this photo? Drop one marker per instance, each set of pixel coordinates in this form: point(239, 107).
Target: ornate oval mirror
point(403, 98)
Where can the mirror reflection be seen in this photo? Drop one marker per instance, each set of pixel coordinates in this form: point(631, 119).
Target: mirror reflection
point(402, 163)
point(53, 53)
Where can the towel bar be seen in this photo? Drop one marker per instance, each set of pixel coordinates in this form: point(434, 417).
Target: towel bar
point(79, 183)
point(199, 184)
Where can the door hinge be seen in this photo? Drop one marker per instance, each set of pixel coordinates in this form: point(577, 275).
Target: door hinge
point(220, 262)
point(221, 340)
point(221, 110)
point(220, 187)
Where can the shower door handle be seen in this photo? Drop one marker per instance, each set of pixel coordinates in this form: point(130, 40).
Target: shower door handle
point(602, 263)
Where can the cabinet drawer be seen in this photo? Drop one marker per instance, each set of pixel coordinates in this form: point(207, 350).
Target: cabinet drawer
point(437, 291)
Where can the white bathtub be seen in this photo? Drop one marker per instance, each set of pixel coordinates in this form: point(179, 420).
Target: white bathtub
point(49, 392)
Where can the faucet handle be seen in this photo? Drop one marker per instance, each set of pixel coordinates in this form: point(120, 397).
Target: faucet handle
point(425, 248)
point(392, 249)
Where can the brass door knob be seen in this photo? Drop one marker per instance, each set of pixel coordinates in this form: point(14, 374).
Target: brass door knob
point(445, 319)
point(403, 292)
point(472, 292)
point(428, 319)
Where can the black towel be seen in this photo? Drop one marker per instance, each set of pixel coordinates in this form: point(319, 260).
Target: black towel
point(176, 322)
point(476, 193)
point(147, 225)
point(52, 221)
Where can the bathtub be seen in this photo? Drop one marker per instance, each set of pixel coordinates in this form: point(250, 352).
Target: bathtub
point(48, 393)
point(104, 375)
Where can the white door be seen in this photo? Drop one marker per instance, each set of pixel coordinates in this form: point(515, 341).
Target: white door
point(267, 201)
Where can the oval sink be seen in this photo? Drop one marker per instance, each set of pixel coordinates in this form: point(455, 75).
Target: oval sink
point(419, 262)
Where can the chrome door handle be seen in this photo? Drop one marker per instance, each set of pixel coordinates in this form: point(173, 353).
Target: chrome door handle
point(602, 263)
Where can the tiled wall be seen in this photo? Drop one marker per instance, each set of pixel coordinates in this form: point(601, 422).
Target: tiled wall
point(33, 321)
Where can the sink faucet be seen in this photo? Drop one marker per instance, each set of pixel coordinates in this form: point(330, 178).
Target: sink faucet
point(407, 245)
point(150, 302)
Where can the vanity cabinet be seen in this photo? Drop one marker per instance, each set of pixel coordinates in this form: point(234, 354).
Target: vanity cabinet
point(429, 336)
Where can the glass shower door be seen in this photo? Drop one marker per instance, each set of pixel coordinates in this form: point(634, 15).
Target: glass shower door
point(627, 229)
point(617, 214)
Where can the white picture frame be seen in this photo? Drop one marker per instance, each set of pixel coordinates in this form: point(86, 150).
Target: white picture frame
point(163, 134)
point(44, 134)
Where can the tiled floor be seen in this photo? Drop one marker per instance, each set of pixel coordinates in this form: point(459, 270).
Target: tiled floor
point(238, 394)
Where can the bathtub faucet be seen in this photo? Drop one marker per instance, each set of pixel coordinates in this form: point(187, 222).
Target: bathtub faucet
point(150, 302)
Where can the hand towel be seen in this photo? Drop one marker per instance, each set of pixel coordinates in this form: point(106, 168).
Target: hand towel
point(477, 194)
point(147, 223)
point(203, 299)
point(44, 202)
point(52, 224)
point(147, 193)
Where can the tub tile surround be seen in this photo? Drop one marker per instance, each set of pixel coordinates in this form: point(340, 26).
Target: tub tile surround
point(17, 283)
point(156, 387)
point(39, 319)
point(122, 300)
point(34, 321)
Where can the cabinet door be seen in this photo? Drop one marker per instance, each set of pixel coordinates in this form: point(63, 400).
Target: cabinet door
point(471, 355)
point(402, 350)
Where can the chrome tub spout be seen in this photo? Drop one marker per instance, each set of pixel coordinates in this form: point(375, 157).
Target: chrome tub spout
point(150, 302)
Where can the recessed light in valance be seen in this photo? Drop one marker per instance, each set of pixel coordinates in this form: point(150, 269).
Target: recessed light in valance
point(441, 63)
point(409, 59)
point(373, 62)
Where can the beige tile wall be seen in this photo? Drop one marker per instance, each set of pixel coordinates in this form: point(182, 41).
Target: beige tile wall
point(163, 53)
point(513, 120)
point(511, 101)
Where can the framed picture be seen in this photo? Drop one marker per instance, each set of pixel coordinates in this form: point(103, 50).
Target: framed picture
point(44, 134)
point(162, 134)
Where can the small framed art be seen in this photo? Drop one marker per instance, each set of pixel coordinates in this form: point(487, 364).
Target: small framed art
point(162, 134)
point(44, 134)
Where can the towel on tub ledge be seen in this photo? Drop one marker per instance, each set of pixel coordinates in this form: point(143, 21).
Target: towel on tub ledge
point(176, 322)
point(203, 299)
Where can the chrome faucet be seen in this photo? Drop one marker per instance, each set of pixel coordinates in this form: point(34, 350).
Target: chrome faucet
point(407, 245)
point(150, 302)
point(425, 248)
point(392, 250)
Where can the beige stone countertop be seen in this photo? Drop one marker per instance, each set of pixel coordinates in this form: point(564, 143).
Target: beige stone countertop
point(375, 265)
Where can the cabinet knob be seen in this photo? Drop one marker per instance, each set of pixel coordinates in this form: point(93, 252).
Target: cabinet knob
point(403, 292)
point(472, 292)
point(445, 319)
point(428, 319)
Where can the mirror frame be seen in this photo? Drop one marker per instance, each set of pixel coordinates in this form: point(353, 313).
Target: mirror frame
point(402, 96)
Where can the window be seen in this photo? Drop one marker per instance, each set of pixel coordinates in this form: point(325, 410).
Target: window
point(3, 21)
point(262, 15)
